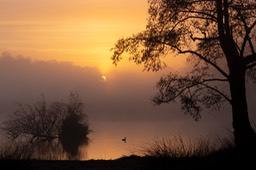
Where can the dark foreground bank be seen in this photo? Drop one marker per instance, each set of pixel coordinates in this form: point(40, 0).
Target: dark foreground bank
point(136, 163)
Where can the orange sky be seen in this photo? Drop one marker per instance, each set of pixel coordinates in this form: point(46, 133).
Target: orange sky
point(83, 32)
point(80, 31)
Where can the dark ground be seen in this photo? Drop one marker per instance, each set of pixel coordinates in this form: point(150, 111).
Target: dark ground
point(137, 163)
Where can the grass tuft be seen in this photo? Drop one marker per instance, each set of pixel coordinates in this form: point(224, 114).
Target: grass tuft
point(177, 147)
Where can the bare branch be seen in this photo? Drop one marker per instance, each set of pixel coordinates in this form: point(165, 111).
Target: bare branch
point(202, 82)
point(250, 59)
point(204, 59)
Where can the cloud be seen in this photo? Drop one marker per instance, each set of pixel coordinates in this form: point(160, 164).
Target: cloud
point(125, 96)
point(25, 81)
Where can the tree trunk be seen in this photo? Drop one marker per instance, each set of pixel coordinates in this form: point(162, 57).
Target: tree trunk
point(244, 135)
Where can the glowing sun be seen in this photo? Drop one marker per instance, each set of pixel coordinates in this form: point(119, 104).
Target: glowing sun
point(103, 78)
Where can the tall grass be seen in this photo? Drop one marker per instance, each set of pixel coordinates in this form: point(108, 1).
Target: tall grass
point(15, 152)
point(21, 151)
point(178, 146)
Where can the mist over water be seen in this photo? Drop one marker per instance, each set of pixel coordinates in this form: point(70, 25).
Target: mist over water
point(118, 107)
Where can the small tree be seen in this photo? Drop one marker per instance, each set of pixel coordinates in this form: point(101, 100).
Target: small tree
point(74, 127)
point(42, 125)
point(219, 37)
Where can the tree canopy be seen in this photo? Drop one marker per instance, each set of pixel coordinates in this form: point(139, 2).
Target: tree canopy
point(218, 37)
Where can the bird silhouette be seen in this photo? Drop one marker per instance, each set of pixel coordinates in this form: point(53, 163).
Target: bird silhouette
point(124, 139)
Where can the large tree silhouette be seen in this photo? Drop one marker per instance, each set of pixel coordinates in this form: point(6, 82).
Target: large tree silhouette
point(218, 37)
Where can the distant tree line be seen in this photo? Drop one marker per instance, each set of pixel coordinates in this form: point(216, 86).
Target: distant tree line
point(43, 126)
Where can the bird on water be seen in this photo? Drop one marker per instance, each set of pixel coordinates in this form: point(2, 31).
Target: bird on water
point(124, 139)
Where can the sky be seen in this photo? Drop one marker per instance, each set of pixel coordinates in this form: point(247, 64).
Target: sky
point(57, 47)
point(80, 31)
